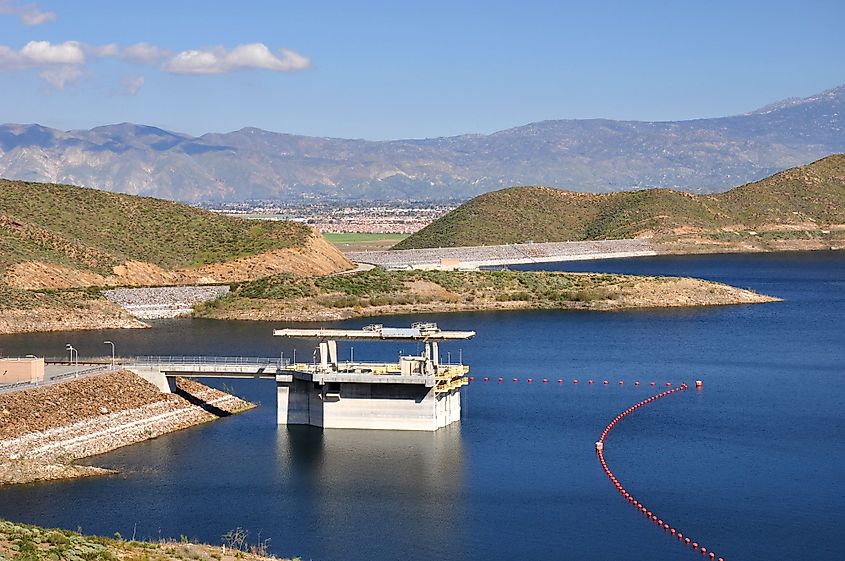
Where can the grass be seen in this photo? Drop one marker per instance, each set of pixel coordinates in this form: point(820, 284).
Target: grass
point(363, 242)
point(23, 542)
point(96, 230)
point(354, 237)
point(813, 193)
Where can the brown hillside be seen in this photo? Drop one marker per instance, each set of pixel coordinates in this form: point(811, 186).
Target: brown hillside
point(61, 236)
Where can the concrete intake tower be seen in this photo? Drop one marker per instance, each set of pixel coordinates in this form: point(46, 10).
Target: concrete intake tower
point(415, 393)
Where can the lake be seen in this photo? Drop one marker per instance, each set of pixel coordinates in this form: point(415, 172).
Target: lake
point(750, 466)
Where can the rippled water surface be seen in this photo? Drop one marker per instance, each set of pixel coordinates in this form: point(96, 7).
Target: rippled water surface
point(751, 466)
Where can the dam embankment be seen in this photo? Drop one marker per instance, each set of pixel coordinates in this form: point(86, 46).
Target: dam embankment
point(45, 430)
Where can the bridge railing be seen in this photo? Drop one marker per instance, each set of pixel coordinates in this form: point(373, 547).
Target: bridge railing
point(231, 360)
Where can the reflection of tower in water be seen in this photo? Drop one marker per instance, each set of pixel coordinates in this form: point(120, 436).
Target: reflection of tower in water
point(352, 481)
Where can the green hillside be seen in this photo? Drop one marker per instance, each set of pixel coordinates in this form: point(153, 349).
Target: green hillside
point(814, 193)
point(96, 230)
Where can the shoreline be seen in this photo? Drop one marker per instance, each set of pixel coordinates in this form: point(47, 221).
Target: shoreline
point(48, 429)
point(103, 314)
point(425, 292)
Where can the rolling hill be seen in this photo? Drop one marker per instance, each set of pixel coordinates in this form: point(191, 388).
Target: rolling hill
point(802, 203)
point(598, 155)
point(61, 236)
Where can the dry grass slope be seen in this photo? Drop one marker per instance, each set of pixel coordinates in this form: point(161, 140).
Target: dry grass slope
point(95, 230)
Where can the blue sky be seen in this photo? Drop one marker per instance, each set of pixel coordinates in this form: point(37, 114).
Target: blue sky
point(396, 69)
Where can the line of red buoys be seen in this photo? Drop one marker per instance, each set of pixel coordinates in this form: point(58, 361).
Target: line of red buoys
point(515, 380)
point(668, 528)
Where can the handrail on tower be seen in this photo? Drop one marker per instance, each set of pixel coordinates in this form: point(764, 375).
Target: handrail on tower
point(427, 332)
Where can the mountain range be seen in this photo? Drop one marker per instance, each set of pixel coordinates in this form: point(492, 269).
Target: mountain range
point(596, 155)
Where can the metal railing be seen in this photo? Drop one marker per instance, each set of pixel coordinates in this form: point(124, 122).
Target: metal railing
point(70, 375)
point(231, 360)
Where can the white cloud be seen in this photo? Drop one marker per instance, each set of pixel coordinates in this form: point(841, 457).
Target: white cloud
point(36, 53)
point(144, 53)
point(60, 76)
point(62, 63)
point(131, 84)
point(109, 50)
point(219, 60)
point(41, 53)
point(29, 14)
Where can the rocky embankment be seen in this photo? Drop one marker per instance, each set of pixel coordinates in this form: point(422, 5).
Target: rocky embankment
point(89, 314)
point(45, 430)
point(163, 302)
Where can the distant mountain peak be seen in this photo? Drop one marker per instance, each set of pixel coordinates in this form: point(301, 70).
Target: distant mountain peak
point(833, 94)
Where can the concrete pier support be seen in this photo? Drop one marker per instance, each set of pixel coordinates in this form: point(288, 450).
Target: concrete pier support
point(366, 406)
point(154, 376)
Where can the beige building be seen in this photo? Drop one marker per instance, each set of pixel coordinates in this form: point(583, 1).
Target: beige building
point(14, 370)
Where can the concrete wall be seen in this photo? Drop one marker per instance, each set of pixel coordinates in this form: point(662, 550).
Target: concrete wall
point(366, 406)
point(15, 370)
point(154, 376)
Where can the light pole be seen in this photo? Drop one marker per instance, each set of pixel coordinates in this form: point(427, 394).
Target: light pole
point(352, 354)
point(70, 348)
point(112, 352)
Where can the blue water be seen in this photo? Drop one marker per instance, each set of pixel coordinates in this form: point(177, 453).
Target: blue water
point(751, 466)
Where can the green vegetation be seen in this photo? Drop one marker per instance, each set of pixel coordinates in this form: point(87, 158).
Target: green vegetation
point(364, 242)
point(377, 287)
point(14, 298)
point(355, 237)
point(812, 194)
point(96, 230)
point(22, 542)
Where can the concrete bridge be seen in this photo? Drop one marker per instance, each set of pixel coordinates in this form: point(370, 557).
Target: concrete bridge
point(157, 369)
